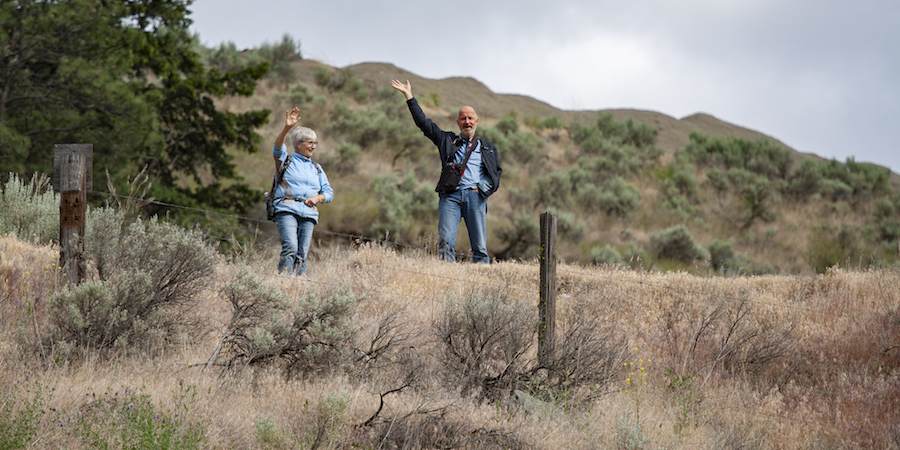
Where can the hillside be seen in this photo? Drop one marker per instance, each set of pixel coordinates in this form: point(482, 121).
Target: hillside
point(673, 133)
point(631, 190)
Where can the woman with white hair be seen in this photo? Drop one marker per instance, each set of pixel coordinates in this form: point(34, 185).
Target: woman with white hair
point(302, 186)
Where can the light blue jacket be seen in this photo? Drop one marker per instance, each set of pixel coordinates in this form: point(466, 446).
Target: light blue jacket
point(303, 178)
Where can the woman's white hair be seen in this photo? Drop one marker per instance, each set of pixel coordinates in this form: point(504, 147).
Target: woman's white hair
point(302, 134)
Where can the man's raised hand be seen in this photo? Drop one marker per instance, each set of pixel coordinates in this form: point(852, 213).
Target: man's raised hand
point(406, 89)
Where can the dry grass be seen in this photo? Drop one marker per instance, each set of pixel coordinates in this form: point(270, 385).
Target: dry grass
point(832, 380)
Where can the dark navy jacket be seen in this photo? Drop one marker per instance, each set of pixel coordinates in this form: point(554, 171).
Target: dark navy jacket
point(445, 142)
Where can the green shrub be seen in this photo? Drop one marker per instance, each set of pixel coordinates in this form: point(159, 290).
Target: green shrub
point(22, 405)
point(324, 421)
point(828, 246)
point(567, 226)
point(618, 198)
point(298, 95)
point(280, 56)
point(227, 58)
point(806, 181)
point(347, 158)
point(378, 124)
point(509, 123)
point(553, 189)
point(524, 147)
point(605, 255)
point(763, 157)
point(836, 190)
point(323, 76)
point(30, 210)
point(345, 81)
point(721, 254)
point(718, 181)
point(255, 306)
point(758, 195)
point(317, 336)
point(886, 219)
point(130, 419)
point(607, 132)
point(484, 340)
point(520, 238)
point(676, 243)
point(551, 122)
point(402, 205)
point(149, 276)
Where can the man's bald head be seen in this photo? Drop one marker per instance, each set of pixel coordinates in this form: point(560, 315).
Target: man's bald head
point(467, 119)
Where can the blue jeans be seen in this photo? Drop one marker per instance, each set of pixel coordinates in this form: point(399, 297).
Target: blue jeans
point(296, 235)
point(468, 205)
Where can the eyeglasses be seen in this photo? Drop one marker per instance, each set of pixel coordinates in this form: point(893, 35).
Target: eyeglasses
point(313, 143)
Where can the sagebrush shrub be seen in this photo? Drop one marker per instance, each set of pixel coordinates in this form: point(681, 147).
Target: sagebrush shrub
point(605, 255)
point(520, 238)
point(30, 210)
point(618, 198)
point(721, 254)
point(484, 338)
point(676, 243)
point(317, 336)
point(254, 307)
point(149, 275)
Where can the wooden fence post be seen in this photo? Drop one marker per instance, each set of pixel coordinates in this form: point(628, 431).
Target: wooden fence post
point(547, 305)
point(72, 172)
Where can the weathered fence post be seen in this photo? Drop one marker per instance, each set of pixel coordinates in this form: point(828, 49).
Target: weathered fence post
point(547, 305)
point(72, 177)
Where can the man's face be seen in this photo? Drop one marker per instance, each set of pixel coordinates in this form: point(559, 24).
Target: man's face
point(467, 121)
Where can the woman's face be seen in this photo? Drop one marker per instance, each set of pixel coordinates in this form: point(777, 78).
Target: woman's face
point(306, 148)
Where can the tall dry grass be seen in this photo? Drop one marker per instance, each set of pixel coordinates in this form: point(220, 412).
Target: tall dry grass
point(786, 362)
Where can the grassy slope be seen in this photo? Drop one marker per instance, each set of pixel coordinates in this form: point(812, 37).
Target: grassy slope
point(781, 243)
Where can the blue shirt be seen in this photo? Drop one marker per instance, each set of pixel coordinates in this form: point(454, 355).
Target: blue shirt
point(303, 179)
point(474, 171)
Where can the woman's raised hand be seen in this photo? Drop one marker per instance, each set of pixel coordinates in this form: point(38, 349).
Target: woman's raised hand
point(291, 117)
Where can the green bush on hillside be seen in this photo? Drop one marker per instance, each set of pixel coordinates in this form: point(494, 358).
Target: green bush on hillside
point(886, 219)
point(605, 255)
point(403, 205)
point(617, 198)
point(721, 254)
point(676, 243)
point(280, 56)
point(762, 157)
point(828, 246)
point(806, 181)
point(758, 195)
point(509, 123)
point(520, 238)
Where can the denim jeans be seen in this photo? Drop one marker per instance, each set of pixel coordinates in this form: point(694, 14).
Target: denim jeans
point(468, 205)
point(296, 235)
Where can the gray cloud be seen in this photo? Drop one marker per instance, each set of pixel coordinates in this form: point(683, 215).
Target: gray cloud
point(823, 76)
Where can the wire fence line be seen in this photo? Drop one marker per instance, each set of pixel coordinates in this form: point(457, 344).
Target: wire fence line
point(560, 269)
point(692, 294)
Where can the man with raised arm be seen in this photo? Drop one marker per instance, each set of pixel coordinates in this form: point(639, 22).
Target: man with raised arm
point(480, 178)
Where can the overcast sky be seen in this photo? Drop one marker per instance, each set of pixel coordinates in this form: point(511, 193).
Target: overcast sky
point(822, 76)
